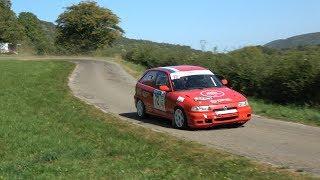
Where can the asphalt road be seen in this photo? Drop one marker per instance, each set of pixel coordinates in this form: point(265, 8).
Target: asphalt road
point(107, 86)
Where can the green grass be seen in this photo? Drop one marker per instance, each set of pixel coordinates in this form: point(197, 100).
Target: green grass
point(299, 114)
point(47, 133)
point(135, 70)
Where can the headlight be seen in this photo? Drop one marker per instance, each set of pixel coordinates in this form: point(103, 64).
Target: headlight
point(243, 104)
point(200, 108)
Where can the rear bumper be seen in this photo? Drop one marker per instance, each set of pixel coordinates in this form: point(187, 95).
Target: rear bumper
point(210, 119)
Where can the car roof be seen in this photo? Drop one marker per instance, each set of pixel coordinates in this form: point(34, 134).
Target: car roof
point(172, 69)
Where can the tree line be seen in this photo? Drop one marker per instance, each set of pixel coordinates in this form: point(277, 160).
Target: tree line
point(82, 28)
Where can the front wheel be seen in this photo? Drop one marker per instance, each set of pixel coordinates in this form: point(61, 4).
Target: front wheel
point(179, 119)
point(141, 110)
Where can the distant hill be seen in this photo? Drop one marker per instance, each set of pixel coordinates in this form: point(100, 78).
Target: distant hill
point(128, 43)
point(296, 41)
point(122, 42)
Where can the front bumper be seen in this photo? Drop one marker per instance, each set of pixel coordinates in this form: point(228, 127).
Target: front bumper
point(210, 119)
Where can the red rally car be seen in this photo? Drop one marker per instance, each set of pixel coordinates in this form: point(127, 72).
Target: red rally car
point(190, 96)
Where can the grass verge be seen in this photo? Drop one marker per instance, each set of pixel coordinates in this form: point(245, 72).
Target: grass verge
point(133, 69)
point(298, 114)
point(47, 133)
point(292, 113)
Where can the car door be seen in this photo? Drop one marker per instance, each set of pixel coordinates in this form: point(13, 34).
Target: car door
point(160, 97)
point(146, 89)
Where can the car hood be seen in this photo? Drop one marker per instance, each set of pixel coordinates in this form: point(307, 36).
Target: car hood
point(221, 95)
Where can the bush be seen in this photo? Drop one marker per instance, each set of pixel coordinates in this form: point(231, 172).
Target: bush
point(288, 76)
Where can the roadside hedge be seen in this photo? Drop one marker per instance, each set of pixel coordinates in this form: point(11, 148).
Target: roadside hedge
point(287, 76)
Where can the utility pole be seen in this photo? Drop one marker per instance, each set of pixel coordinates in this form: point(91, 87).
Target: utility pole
point(203, 44)
point(215, 50)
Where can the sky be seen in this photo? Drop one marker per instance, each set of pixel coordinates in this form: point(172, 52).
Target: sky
point(226, 24)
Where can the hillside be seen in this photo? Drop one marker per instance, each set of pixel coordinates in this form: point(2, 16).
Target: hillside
point(296, 41)
point(134, 42)
point(123, 42)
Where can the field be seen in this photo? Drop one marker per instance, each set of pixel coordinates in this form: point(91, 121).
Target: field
point(47, 133)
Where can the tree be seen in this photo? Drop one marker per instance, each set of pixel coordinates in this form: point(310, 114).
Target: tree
point(85, 27)
point(10, 29)
point(7, 3)
point(35, 32)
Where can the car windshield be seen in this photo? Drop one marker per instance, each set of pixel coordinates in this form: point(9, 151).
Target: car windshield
point(196, 82)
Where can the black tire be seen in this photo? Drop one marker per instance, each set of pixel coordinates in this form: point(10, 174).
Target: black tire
point(179, 119)
point(141, 109)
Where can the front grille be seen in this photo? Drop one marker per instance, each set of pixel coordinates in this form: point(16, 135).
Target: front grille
point(226, 118)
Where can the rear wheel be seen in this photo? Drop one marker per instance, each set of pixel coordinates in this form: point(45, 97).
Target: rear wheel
point(179, 119)
point(141, 110)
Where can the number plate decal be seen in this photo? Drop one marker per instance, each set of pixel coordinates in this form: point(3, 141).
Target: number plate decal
point(159, 100)
point(230, 111)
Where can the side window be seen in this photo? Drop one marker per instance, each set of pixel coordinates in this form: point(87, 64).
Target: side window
point(149, 78)
point(162, 79)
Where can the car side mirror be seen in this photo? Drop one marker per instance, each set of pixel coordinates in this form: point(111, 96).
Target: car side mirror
point(224, 81)
point(164, 88)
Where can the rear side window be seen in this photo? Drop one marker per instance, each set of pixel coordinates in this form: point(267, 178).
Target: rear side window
point(149, 78)
point(162, 79)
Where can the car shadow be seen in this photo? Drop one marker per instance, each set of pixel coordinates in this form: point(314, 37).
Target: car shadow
point(150, 119)
point(163, 122)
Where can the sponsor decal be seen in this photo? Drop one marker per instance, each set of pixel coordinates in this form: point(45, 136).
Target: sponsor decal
point(201, 98)
point(175, 77)
point(145, 94)
point(212, 93)
point(218, 101)
point(180, 99)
